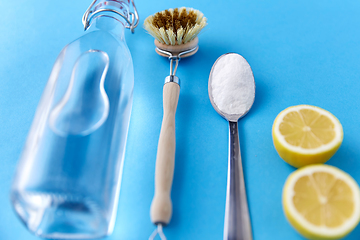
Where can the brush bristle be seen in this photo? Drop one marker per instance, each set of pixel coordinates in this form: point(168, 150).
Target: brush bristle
point(175, 26)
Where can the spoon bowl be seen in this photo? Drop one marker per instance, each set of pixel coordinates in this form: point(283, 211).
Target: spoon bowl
point(241, 76)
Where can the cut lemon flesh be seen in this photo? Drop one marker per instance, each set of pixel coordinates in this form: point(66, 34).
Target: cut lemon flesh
point(306, 134)
point(321, 202)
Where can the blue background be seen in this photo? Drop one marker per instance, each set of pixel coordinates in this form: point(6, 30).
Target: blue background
point(301, 52)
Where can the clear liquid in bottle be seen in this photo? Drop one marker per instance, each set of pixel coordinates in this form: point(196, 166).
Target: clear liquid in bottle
point(68, 177)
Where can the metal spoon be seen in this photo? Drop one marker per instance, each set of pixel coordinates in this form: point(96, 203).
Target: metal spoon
point(231, 104)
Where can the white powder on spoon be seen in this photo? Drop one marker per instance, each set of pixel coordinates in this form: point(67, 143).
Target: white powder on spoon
point(232, 74)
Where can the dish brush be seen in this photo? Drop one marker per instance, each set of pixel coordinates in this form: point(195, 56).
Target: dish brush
point(175, 32)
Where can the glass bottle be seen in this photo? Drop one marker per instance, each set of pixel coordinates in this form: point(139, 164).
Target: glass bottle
point(68, 178)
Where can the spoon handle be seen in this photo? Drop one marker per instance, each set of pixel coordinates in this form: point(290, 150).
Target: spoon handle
point(237, 219)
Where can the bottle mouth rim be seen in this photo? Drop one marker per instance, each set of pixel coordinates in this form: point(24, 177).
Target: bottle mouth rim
point(131, 18)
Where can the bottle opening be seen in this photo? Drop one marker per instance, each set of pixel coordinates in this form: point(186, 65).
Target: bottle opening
point(118, 9)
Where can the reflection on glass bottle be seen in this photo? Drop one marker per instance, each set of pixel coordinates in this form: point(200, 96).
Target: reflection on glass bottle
point(68, 178)
point(85, 105)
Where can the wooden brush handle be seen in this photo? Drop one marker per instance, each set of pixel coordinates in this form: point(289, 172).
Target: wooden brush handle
point(161, 206)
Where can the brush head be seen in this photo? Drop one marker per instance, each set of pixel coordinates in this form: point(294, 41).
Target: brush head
point(175, 30)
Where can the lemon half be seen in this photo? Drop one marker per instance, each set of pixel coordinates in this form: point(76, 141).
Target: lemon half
point(321, 202)
point(306, 134)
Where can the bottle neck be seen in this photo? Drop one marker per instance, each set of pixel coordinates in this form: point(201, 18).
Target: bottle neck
point(105, 17)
